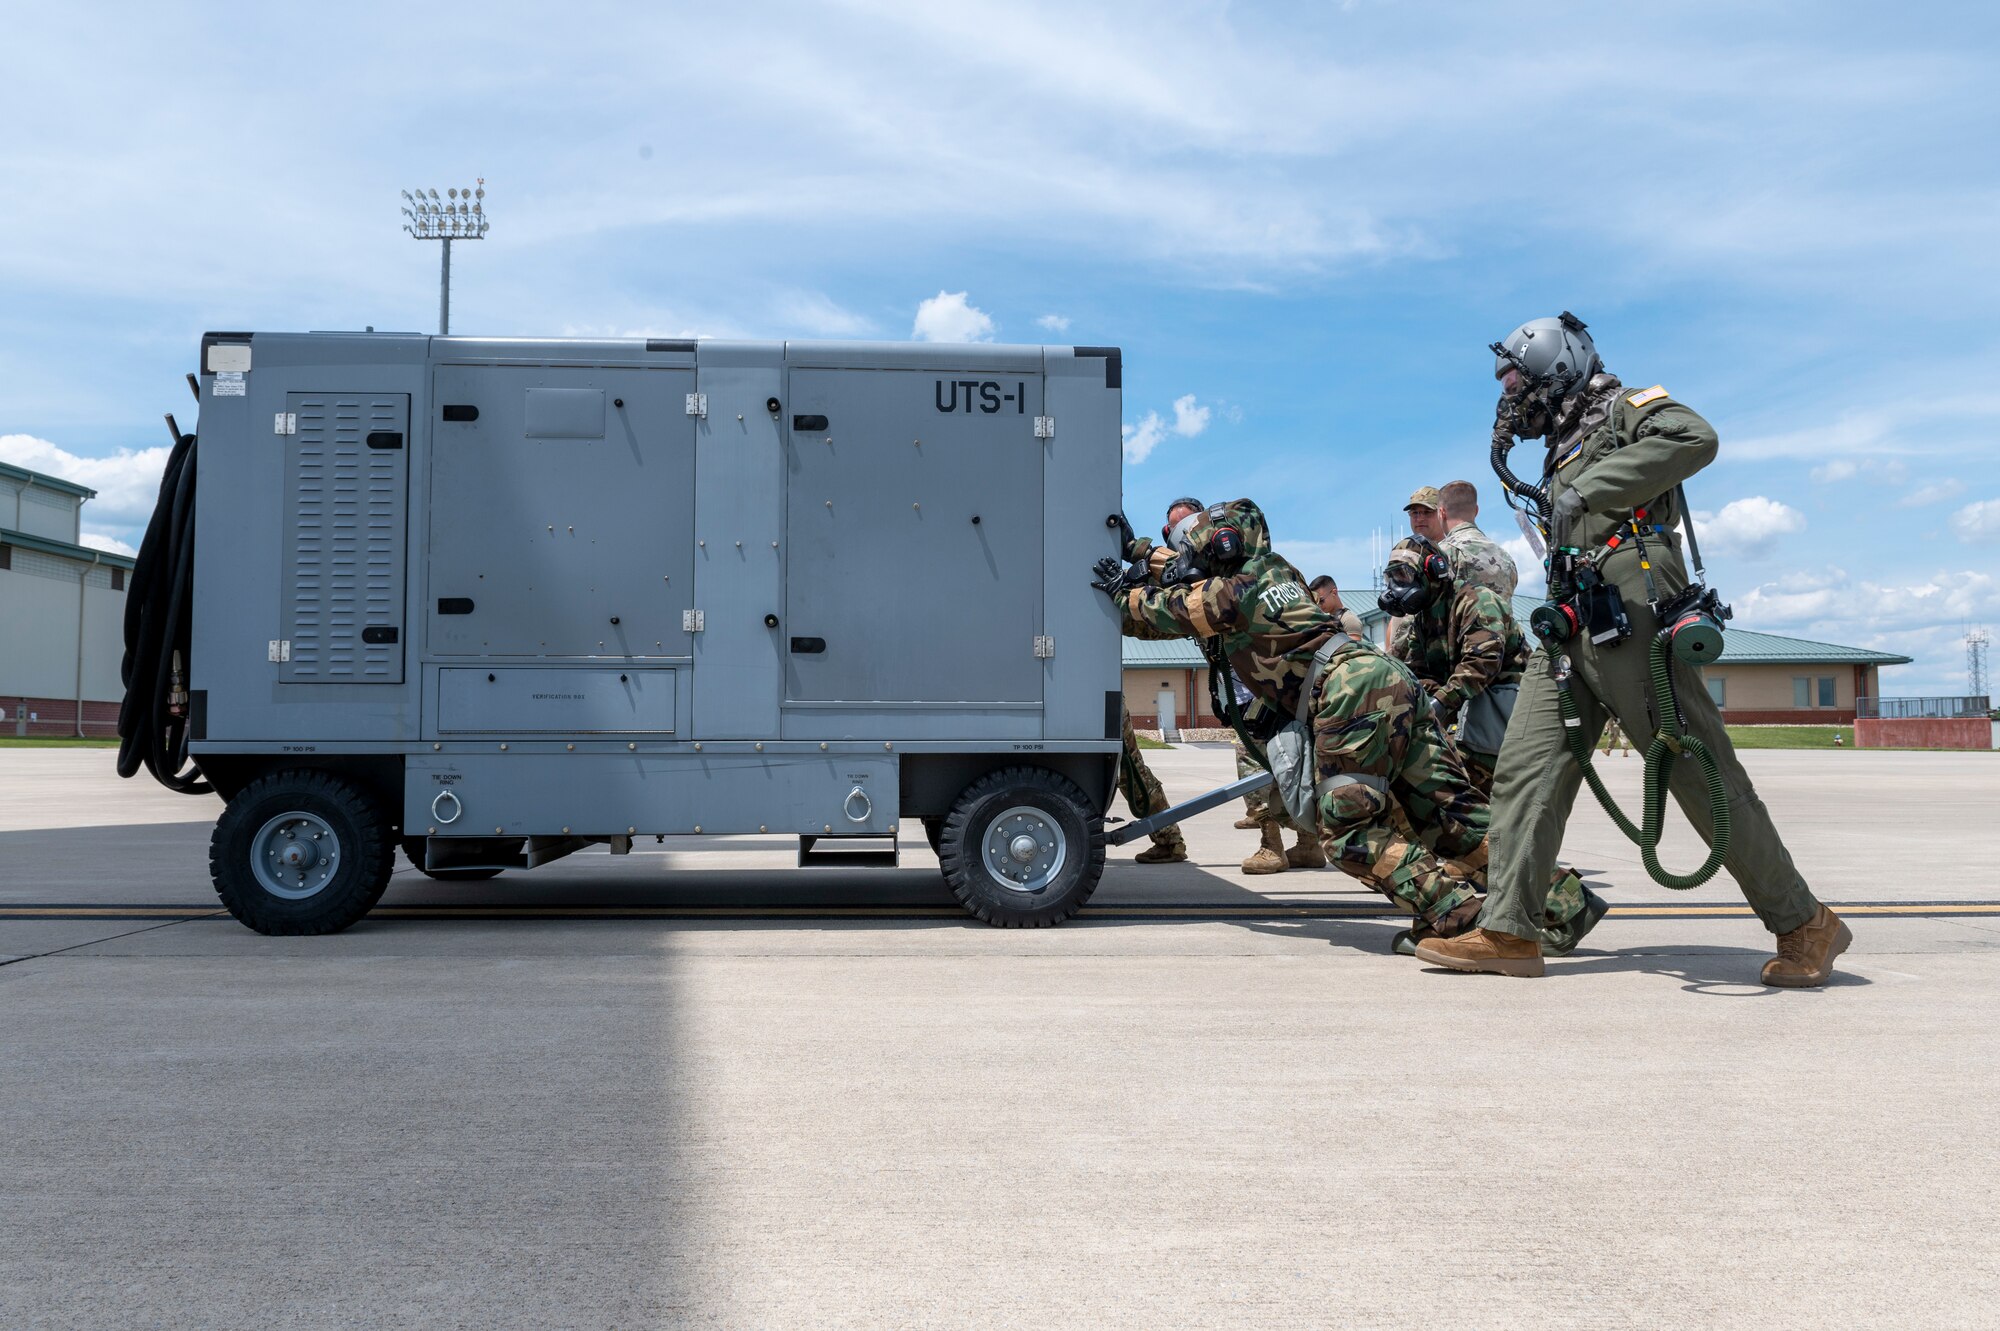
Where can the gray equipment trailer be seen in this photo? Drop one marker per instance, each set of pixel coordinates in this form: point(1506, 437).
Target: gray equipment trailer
point(496, 600)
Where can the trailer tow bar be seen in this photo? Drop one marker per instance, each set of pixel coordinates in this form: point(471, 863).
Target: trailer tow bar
point(1139, 827)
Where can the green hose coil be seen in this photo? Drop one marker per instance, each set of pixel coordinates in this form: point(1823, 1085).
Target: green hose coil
point(1667, 745)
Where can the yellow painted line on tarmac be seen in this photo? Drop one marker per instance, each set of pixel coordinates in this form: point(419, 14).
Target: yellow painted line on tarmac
point(1217, 911)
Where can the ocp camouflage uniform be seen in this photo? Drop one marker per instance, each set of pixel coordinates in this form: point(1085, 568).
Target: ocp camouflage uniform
point(1376, 745)
point(1459, 649)
point(1144, 795)
point(1621, 450)
point(1476, 558)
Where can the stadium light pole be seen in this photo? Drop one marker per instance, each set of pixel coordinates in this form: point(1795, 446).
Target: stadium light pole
point(460, 215)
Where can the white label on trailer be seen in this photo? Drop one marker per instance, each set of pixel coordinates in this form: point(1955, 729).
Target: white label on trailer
point(228, 357)
point(228, 384)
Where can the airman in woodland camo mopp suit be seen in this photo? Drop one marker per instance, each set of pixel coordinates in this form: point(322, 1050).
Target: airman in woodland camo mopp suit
point(1462, 643)
point(1377, 748)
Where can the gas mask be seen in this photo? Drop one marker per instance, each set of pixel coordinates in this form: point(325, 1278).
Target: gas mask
point(1530, 411)
point(1417, 575)
point(1210, 537)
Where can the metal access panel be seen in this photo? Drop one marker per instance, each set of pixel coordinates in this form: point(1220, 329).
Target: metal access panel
point(574, 701)
point(561, 511)
point(739, 552)
point(673, 794)
point(914, 530)
point(345, 518)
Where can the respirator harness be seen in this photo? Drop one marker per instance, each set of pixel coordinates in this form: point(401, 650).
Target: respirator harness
point(1417, 575)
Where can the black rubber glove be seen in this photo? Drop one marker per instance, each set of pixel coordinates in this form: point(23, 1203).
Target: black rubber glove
point(1114, 579)
point(1127, 538)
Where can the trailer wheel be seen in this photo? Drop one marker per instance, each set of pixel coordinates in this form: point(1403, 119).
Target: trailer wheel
point(300, 852)
point(413, 851)
point(1022, 847)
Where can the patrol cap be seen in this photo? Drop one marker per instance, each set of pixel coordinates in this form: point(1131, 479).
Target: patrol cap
point(1426, 496)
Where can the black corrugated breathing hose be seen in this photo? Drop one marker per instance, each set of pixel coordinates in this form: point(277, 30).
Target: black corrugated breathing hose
point(153, 720)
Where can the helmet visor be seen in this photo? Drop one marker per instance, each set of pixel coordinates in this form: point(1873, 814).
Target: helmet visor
point(1511, 381)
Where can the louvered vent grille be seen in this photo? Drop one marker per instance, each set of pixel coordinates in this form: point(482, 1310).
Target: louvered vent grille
point(345, 521)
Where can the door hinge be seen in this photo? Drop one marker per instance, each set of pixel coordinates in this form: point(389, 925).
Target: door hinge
point(1045, 427)
point(1045, 646)
point(285, 422)
point(698, 404)
point(281, 649)
point(691, 621)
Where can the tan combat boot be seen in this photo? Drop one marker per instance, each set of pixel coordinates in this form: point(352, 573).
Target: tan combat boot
point(1485, 952)
point(1163, 852)
point(1456, 921)
point(1805, 955)
point(1307, 854)
point(1270, 857)
point(1247, 823)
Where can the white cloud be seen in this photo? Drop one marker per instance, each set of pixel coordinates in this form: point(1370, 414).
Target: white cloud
point(127, 482)
point(1840, 469)
point(949, 317)
point(1534, 578)
point(1143, 438)
point(97, 540)
point(1189, 419)
point(1055, 323)
point(1748, 527)
point(1936, 491)
point(1978, 522)
point(1828, 604)
point(815, 313)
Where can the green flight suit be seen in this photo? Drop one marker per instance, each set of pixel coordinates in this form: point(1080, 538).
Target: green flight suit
point(1622, 449)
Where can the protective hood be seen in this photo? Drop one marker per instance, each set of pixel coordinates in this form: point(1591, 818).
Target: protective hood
point(1225, 537)
point(1418, 577)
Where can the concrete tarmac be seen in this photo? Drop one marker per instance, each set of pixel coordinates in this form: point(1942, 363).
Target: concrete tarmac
point(696, 1087)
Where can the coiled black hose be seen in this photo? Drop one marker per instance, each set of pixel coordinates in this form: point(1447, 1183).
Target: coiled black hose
point(153, 719)
point(1536, 495)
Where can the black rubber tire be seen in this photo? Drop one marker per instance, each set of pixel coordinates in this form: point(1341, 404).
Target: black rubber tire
point(366, 853)
point(413, 851)
point(934, 833)
point(987, 896)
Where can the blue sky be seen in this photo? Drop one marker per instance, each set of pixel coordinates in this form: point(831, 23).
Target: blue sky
point(1302, 223)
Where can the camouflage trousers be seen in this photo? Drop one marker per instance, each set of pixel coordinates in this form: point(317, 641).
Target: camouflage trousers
point(1143, 793)
point(1377, 754)
point(1479, 767)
